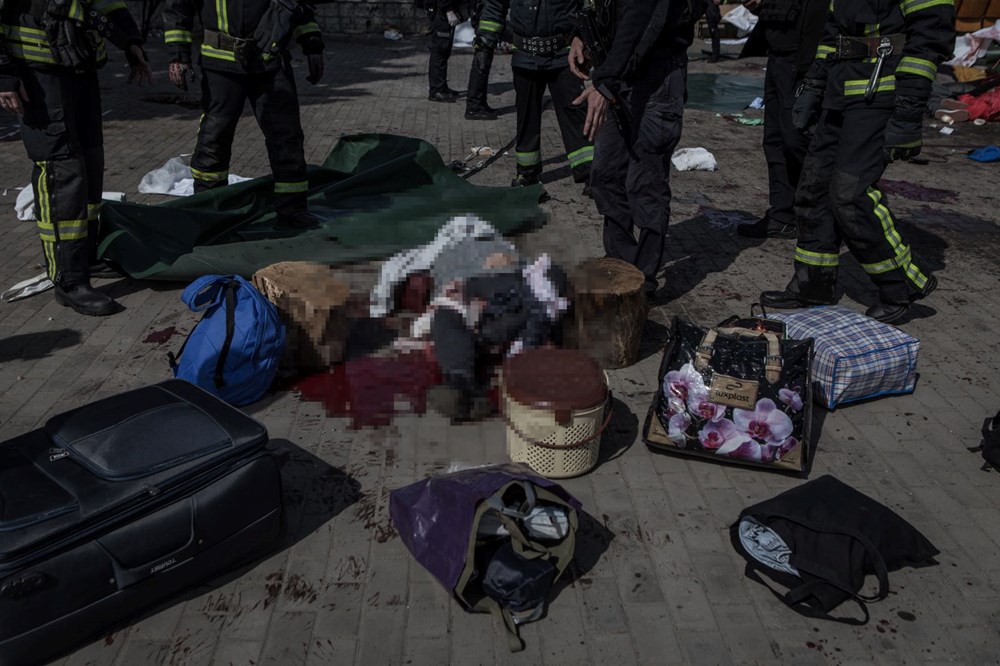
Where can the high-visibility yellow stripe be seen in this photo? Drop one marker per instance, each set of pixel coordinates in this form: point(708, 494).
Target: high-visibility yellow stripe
point(210, 175)
point(529, 159)
point(858, 86)
point(222, 13)
point(822, 51)
point(917, 67)
point(910, 6)
point(305, 28)
point(895, 240)
point(871, 29)
point(31, 53)
point(177, 37)
point(23, 31)
point(108, 6)
point(93, 211)
point(291, 188)
point(582, 156)
point(219, 54)
point(490, 26)
point(899, 261)
point(816, 258)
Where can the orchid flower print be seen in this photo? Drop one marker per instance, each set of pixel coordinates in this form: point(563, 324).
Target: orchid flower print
point(762, 434)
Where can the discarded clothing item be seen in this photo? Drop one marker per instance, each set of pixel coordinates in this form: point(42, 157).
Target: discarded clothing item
point(971, 47)
point(174, 178)
point(693, 159)
point(234, 351)
point(985, 106)
point(967, 74)
point(438, 520)
point(24, 206)
point(856, 358)
point(985, 154)
point(26, 288)
point(990, 446)
point(757, 103)
point(820, 540)
point(400, 266)
point(518, 583)
point(375, 195)
point(734, 394)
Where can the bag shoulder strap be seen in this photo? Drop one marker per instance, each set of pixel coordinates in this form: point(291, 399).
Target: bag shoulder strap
point(796, 597)
point(220, 364)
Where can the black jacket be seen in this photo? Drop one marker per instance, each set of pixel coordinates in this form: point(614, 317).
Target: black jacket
point(531, 18)
point(238, 18)
point(790, 26)
point(647, 30)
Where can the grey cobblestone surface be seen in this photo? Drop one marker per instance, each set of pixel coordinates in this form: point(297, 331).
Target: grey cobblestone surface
point(668, 588)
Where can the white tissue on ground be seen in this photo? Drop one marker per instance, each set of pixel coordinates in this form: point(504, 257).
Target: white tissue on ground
point(174, 178)
point(694, 159)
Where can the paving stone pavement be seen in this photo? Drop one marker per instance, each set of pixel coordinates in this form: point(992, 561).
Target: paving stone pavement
point(668, 587)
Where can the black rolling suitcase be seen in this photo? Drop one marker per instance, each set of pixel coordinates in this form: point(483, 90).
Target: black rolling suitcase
point(114, 507)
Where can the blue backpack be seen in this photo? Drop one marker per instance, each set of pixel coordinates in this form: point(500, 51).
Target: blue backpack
point(234, 351)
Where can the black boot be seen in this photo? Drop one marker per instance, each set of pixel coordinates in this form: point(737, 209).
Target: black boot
point(86, 300)
point(886, 312)
point(72, 283)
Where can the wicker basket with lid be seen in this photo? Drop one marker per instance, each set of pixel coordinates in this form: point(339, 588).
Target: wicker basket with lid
point(556, 404)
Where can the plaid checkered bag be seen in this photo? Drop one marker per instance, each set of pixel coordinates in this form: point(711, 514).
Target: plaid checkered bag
point(856, 357)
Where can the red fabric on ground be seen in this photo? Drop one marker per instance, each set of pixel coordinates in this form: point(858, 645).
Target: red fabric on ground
point(986, 106)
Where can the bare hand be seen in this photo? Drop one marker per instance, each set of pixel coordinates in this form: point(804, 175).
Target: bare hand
point(139, 66)
point(578, 59)
point(597, 111)
point(11, 101)
point(178, 73)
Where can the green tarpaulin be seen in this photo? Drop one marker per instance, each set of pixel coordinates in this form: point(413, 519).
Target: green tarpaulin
point(375, 194)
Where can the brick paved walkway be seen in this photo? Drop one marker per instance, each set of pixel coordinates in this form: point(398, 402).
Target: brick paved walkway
point(668, 587)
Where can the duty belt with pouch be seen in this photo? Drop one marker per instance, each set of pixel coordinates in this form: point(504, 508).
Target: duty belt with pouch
point(541, 46)
point(244, 50)
point(862, 48)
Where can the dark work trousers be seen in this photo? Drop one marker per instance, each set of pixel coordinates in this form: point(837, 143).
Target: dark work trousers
point(529, 88)
point(633, 190)
point(838, 200)
point(784, 146)
point(439, 44)
point(61, 130)
point(713, 17)
point(479, 79)
point(275, 104)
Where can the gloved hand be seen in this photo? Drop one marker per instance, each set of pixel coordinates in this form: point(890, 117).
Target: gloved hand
point(316, 67)
point(179, 72)
point(485, 42)
point(453, 18)
point(808, 104)
point(904, 135)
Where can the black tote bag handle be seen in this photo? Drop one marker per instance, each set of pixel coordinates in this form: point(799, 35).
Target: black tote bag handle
point(794, 598)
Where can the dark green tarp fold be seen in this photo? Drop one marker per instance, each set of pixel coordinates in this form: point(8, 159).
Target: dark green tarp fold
point(375, 194)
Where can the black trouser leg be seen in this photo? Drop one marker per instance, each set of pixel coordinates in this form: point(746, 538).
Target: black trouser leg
point(276, 105)
point(441, 38)
point(861, 211)
point(529, 86)
point(89, 119)
point(784, 146)
point(565, 88)
point(817, 252)
point(51, 133)
point(607, 182)
point(713, 17)
point(454, 348)
point(223, 95)
point(479, 79)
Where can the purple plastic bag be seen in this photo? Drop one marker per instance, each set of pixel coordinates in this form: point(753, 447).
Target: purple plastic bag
point(434, 516)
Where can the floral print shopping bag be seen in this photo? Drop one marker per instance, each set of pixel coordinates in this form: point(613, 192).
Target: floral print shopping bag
point(733, 394)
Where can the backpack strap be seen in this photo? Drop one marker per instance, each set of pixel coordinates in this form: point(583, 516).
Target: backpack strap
point(796, 597)
point(230, 297)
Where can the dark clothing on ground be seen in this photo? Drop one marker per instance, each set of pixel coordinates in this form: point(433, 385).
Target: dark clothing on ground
point(529, 87)
point(274, 100)
point(633, 190)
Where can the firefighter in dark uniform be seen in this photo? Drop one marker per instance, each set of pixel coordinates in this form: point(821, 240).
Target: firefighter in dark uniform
point(646, 73)
point(245, 57)
point(787, 32)
point(868, 89)
point(444, 17)
point(476, 105)
point(542, 32)
point(49, 56)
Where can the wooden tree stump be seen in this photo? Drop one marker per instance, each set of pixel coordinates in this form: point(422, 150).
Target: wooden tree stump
point(609, 311)
point(313, 304)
